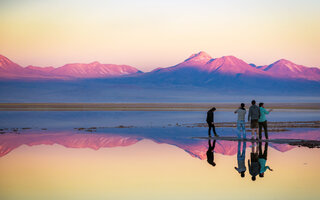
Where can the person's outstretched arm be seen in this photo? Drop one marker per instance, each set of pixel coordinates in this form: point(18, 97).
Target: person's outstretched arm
point(269, 168)
point(249, 115)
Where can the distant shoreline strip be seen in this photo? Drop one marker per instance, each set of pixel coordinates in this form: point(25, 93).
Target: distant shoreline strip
point(144, 106)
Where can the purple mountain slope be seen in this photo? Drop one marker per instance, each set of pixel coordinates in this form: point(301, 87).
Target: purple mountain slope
point(11, 70)
point(287, 69)
point(202, 62)
point(197, 77)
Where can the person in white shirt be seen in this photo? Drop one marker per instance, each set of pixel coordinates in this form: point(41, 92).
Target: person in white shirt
point(241, 125)
point(241, 157)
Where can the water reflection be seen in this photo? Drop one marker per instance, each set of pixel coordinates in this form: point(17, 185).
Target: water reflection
point(256, 163)
point(108, 138)
point(210, 152)
point(253, 162)
point(263, 159)
point(241, 157)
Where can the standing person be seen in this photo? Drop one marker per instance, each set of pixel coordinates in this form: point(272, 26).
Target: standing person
point(263, 159)
point(263, 121)
point(254, 167)
point(210, 121)
point(241, 125)
point(254, 114)
point(241, 157)
point(210, 153)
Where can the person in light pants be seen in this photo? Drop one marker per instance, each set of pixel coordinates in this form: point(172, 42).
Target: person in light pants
point(241, 157)
point(241, 125)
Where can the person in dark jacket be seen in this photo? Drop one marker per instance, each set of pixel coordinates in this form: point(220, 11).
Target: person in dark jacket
point(210, 121)
point(254, 114)
point(254, 165)
point(210, 153)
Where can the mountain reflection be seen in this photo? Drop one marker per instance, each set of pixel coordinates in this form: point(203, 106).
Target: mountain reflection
point(195, 148)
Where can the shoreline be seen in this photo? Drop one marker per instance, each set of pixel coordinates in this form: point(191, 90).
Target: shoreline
point(272, 126)
point(146, 106)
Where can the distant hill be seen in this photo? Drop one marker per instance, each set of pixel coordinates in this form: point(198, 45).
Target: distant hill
point(11, 70)
point(197, 64)
point(204, 64)
point(199, 78)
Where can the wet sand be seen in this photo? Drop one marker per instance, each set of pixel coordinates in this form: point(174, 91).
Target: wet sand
point(143, 106)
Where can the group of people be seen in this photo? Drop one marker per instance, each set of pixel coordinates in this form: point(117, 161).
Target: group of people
point(257, 119)
point(256, 163)
point(256, 116)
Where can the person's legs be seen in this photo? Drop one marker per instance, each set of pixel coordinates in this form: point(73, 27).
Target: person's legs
point(265, 153)
point(252, 150)
point(265, 128)
point(214, 130)
point(239, 150)
point(209, 129)
point(243, 126)
point(256, 130)
point(260, 149)
point(243, 154)
point(252, 133)
point(213, 144)
point(260, 130)
point(238, 129)
point(252, 129)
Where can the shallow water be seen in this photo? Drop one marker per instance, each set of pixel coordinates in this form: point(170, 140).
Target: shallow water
point(145, 162)
point(73, 119)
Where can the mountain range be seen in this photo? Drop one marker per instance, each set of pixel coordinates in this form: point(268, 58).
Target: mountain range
point(199, 78)
point(11, 70)
point(200, 66)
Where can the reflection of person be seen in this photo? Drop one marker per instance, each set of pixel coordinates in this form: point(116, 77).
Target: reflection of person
point(263, 159)
point(210, 153)
point(254, 114)
point(210, 121)
point(241, 126)
point(263, 121)
point(241, 157)
point(254, 166)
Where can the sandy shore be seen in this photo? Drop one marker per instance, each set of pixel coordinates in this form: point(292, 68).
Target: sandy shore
point(143, 106)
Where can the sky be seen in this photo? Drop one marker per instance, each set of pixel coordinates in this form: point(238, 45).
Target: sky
point(148, 34)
